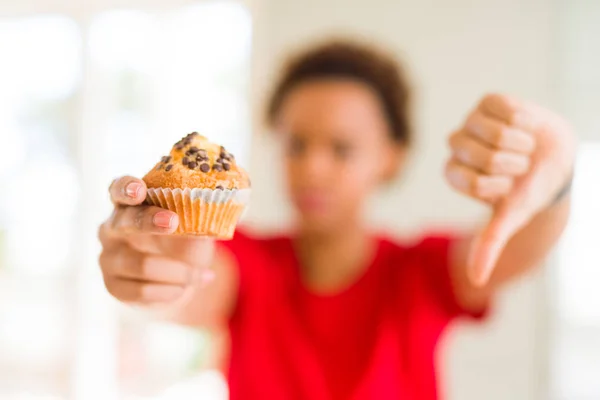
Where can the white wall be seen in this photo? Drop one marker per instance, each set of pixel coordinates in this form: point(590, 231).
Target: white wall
point(576, 312)
point(456, 50)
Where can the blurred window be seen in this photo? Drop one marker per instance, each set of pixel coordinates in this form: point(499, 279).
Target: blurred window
point(575, 366)
point(40, 77)
point(576, 356)
point(86, 98)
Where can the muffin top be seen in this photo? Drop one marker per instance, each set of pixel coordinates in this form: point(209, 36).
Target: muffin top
point(194, 162)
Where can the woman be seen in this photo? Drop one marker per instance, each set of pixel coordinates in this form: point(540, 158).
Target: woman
point(333, 311)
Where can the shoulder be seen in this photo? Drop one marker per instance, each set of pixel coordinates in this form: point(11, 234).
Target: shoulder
point(246, 238)
point(424, 248)
point(260, 261)
point(250, 247)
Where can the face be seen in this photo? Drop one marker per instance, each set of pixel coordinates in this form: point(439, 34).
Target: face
point(337, 150)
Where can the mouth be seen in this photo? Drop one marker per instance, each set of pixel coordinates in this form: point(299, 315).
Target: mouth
point(313, 202)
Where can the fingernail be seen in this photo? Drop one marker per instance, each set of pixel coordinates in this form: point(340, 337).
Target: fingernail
point(524, 121)
point(203, 276)
point(478, 276)
point(163, 219)
point(484, 276)
point(133, 189)
point(207, 276)
point(457, 179)
point(472, 259)
point(483, 266)
point(463, 155)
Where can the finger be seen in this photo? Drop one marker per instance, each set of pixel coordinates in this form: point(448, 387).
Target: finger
point(510, 111)
point(206, 276)
point(472, 153)
point(131, 291)
point(143, 219)
point(498, 134)
point(107, 240)
point(489, 244)
point(192, 250)
point(189, 249)
point(124, 262)
point(466, 180)
point(127, 191)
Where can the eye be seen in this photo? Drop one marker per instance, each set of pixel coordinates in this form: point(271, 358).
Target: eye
point(342, 151)
point(296, 146)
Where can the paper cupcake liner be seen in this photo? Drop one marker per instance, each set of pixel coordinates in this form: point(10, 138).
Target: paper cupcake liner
point(203, 212)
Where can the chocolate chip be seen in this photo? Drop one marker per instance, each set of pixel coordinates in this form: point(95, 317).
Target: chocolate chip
point(165, 159)
point(179, 146)
point(217, 167)
point(201, 158)
point(219, 187)
point(193, 150)
point(226, 166)
point(192, 165)
point(185, 160)
point(204, 167)
point(169, 167)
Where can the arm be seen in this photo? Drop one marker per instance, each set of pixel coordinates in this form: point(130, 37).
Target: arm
point(524, 252)
point(518, 158)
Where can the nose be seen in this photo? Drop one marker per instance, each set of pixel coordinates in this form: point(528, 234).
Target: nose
point(316, 168)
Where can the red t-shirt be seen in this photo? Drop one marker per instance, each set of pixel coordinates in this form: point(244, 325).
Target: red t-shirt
point(374, 340)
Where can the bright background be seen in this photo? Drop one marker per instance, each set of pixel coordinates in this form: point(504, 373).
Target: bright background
point(90, 90)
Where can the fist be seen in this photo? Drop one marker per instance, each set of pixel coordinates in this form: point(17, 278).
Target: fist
point(140, 261)
point(515, 156)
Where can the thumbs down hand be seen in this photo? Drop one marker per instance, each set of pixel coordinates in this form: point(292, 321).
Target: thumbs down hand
point(515, 156)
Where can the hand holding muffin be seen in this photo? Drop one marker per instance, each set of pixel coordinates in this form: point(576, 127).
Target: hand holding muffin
point(151, 247)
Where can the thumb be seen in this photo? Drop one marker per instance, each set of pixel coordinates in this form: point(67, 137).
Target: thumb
point(488, 245)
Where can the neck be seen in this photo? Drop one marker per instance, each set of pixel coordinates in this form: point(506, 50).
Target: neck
point(331, 261)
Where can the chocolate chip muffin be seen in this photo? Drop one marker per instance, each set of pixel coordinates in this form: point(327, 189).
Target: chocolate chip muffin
point(202, 183)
